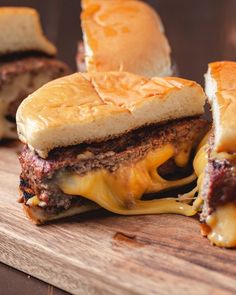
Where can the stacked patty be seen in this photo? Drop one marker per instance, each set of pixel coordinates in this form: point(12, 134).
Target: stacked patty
point(39, 176)
point(219, 184)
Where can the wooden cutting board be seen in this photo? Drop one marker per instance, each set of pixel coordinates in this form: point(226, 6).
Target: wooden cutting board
point(101, 253)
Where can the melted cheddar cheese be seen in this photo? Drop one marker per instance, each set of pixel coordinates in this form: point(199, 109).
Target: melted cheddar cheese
point(199, 165)
point(222, 222)
point(121, 191)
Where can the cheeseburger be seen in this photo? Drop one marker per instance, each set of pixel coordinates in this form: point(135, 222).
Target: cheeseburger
point(215, 162)
point(107, 139)
point(26, 62)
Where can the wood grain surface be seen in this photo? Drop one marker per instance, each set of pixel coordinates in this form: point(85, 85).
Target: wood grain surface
point(101, 253)
point(199, 32)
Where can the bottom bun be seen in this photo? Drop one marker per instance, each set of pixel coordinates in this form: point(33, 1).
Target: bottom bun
point(39, 216)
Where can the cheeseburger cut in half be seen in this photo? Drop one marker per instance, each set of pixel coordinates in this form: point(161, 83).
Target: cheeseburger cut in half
point(215, 162)
point(123, 35)
point(27, 61)
point(107, 139)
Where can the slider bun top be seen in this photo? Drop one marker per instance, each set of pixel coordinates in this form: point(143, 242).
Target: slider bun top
point(124, 36)
point(221, 91)
point(21, 31)
point(97, 106)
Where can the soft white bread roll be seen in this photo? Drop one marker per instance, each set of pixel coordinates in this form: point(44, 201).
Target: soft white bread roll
point(93, 107)
point(21, 31)
point(221, 91)
point(124, 36)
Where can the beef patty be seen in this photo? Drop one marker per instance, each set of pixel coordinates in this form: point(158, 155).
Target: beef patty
point(219, 186)
point(38, 174)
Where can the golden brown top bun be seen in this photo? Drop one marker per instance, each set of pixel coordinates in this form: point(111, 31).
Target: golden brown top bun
point(97, 106)
point(221, 92)
point(21, 31)
point(124, 36)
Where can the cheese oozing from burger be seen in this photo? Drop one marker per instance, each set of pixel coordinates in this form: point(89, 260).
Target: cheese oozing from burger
point(218, 188)
point(103, 137)
point(221, 223)
point(120, 192)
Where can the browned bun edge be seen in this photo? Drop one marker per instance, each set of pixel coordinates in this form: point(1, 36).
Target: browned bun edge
point(38, 215)
point(93, 107)
point(221, 91)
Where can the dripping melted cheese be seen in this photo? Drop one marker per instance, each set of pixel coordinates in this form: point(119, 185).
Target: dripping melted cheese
point(121, 191)
point(222, 222)
point(199, 165)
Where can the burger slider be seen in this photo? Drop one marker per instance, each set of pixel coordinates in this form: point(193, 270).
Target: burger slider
point(26, 62)
point(106, 140)
point(123, 36)
point(215, 161)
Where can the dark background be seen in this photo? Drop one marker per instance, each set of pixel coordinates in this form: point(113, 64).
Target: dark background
point(199, 31)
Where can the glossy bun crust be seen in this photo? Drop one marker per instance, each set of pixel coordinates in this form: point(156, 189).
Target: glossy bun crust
point(221, 92)
point(21, 31)
point(93, 107)
point(124, 36)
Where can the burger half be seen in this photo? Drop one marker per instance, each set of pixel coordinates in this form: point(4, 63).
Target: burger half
point(107, 140)
point(215, 162)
